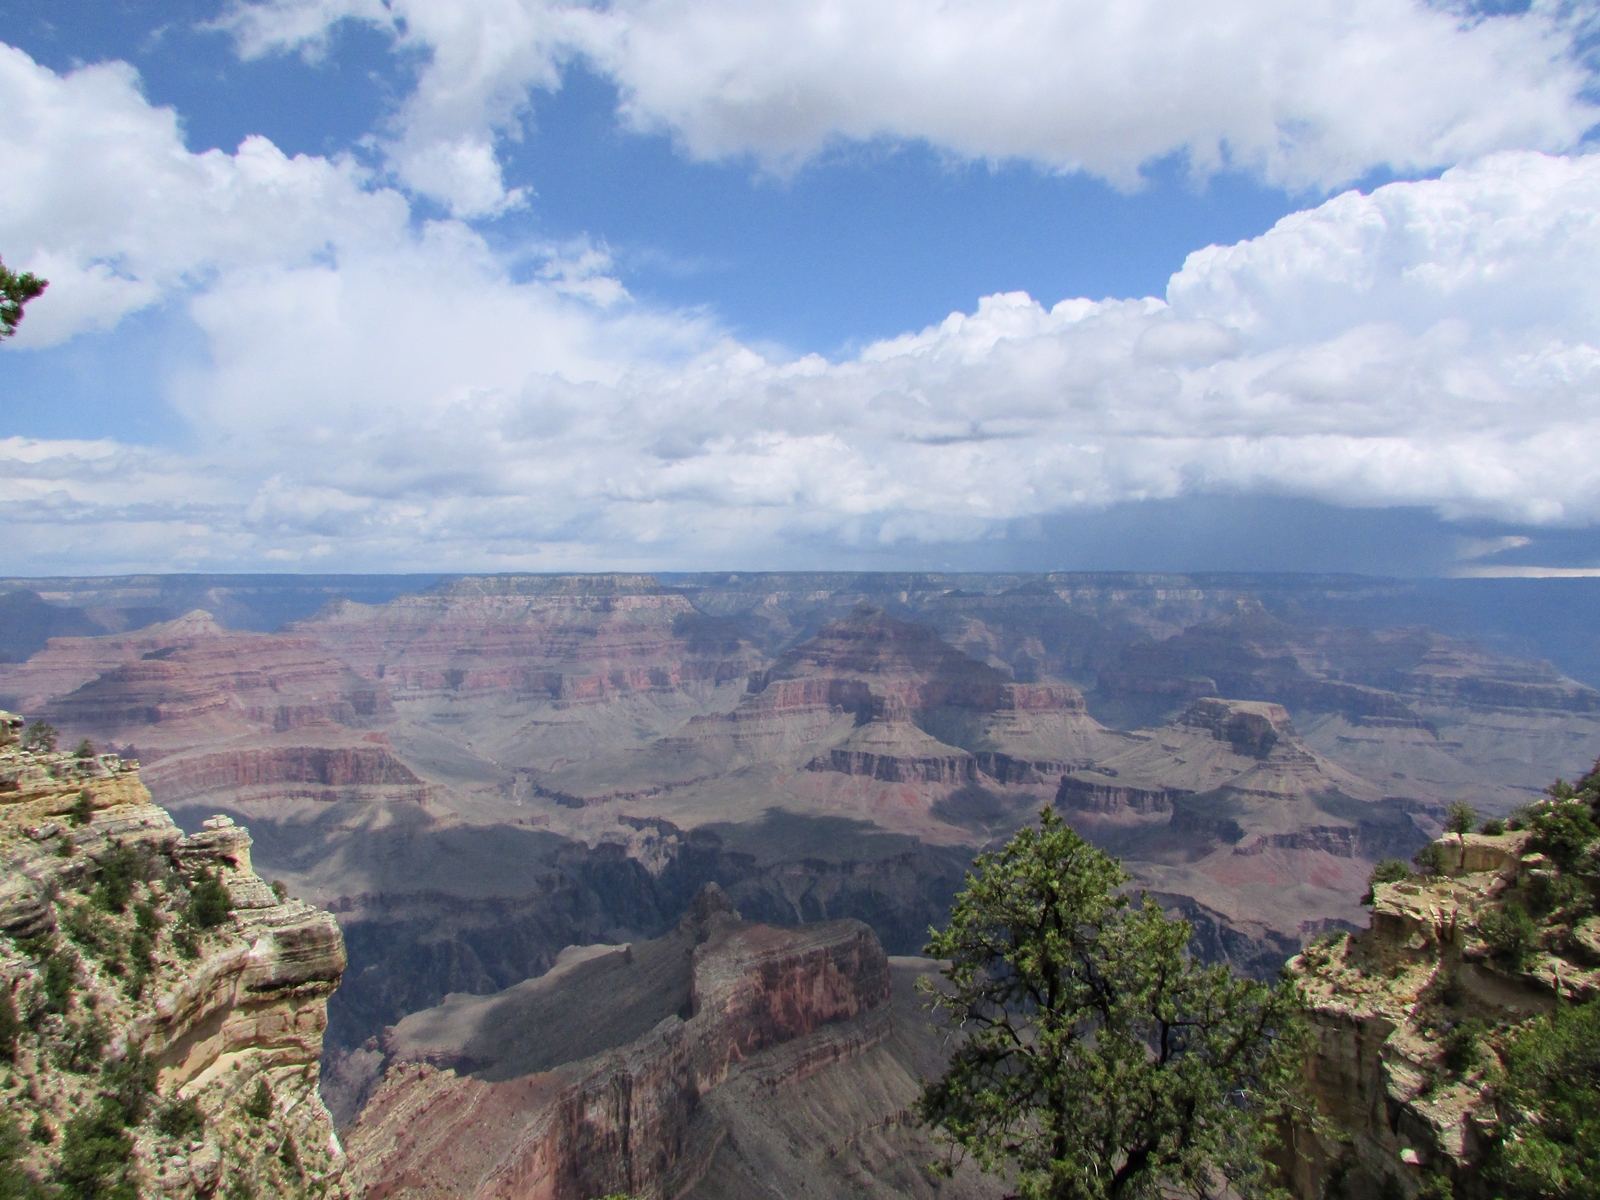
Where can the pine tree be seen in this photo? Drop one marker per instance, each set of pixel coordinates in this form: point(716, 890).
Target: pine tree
point(1100, 1060)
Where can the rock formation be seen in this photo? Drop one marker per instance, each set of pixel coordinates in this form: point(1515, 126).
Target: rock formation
point(1410, 1015)
point(105, 959)
point(872, 698)
point(1226, 806)
point(603, 1076)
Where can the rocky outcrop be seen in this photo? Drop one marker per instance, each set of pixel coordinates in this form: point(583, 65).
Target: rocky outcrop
point(897, 752)
point(1409, 1015)
point(1076, 794)
point(329, 772)
point(871, 698)
point(627, 1118)
point(189, 680)
point(1249, 747)
point(218, 1005)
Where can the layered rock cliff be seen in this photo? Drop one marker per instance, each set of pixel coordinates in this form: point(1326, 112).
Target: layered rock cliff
point(1412, 1015)
point(161, 988)
point(591, 1079)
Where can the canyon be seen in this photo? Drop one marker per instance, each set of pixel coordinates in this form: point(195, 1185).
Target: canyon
point(477, 773)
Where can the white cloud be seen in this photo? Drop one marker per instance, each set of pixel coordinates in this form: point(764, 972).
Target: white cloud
point(483, 59)
point(1311, 94)
point(99, 196)
point(389, 388)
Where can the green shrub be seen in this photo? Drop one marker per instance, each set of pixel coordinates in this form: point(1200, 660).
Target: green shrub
point(141, 953)
point(1493, 827)
point(10, 1025)
point(82, 810)
point(209, 902)
point(259, 1105)
point(1389, 870)
point(16, 1182)
point(129, 1083)
point(85, 749)
point(1563, 830)
point(60, 974)
point(41, 1132)
point(181, 1120)
point(186, 942)
point(96, 1153)
point(40, 737)
point(1463, 1045)
point(65, 848)
point(1510, 934)
point(1557, 894)
point(1460, 817)
point(119, 869)
point(289, 1155)
point(146, 919)
point(280, 889)
point(1548, 1139)
point(81, 1050)
point(88, 929)
point(1431, 860)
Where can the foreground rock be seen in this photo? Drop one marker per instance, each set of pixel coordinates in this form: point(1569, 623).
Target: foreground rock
point(660, 1070)
point(1411, 1015)
point(219, 1010)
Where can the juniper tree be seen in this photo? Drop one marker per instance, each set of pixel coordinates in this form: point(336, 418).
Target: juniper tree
point(1099, 1060)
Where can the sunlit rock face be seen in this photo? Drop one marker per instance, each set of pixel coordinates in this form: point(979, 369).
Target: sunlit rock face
point(1384, 1002)
point(243, 1002)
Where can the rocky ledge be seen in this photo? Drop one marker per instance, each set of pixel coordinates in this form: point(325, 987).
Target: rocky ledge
point(155, 978)
point(590, 1080)
point(1410, 1016)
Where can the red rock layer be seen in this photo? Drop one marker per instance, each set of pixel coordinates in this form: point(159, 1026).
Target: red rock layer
point(575, 638)
point(324, 766)
point(628, 1120)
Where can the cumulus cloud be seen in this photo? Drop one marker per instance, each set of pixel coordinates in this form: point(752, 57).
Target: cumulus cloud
point(1312, 94)
point(391, 389)
point(99, 196)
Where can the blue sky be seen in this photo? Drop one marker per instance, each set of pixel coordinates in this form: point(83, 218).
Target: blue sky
point(513, 284)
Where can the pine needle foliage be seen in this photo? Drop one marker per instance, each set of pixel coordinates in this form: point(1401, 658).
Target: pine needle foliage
point(15, 292)
point(1100, 1061)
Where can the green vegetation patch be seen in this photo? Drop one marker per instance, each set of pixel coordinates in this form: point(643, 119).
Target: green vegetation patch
point(1548, 1102)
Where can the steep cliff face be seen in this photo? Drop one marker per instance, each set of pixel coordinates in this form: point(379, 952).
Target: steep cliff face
point(554, 1112)
point(135, 953)
point(1410, 1016)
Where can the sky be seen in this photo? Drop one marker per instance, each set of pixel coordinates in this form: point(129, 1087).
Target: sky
point(502, 285)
